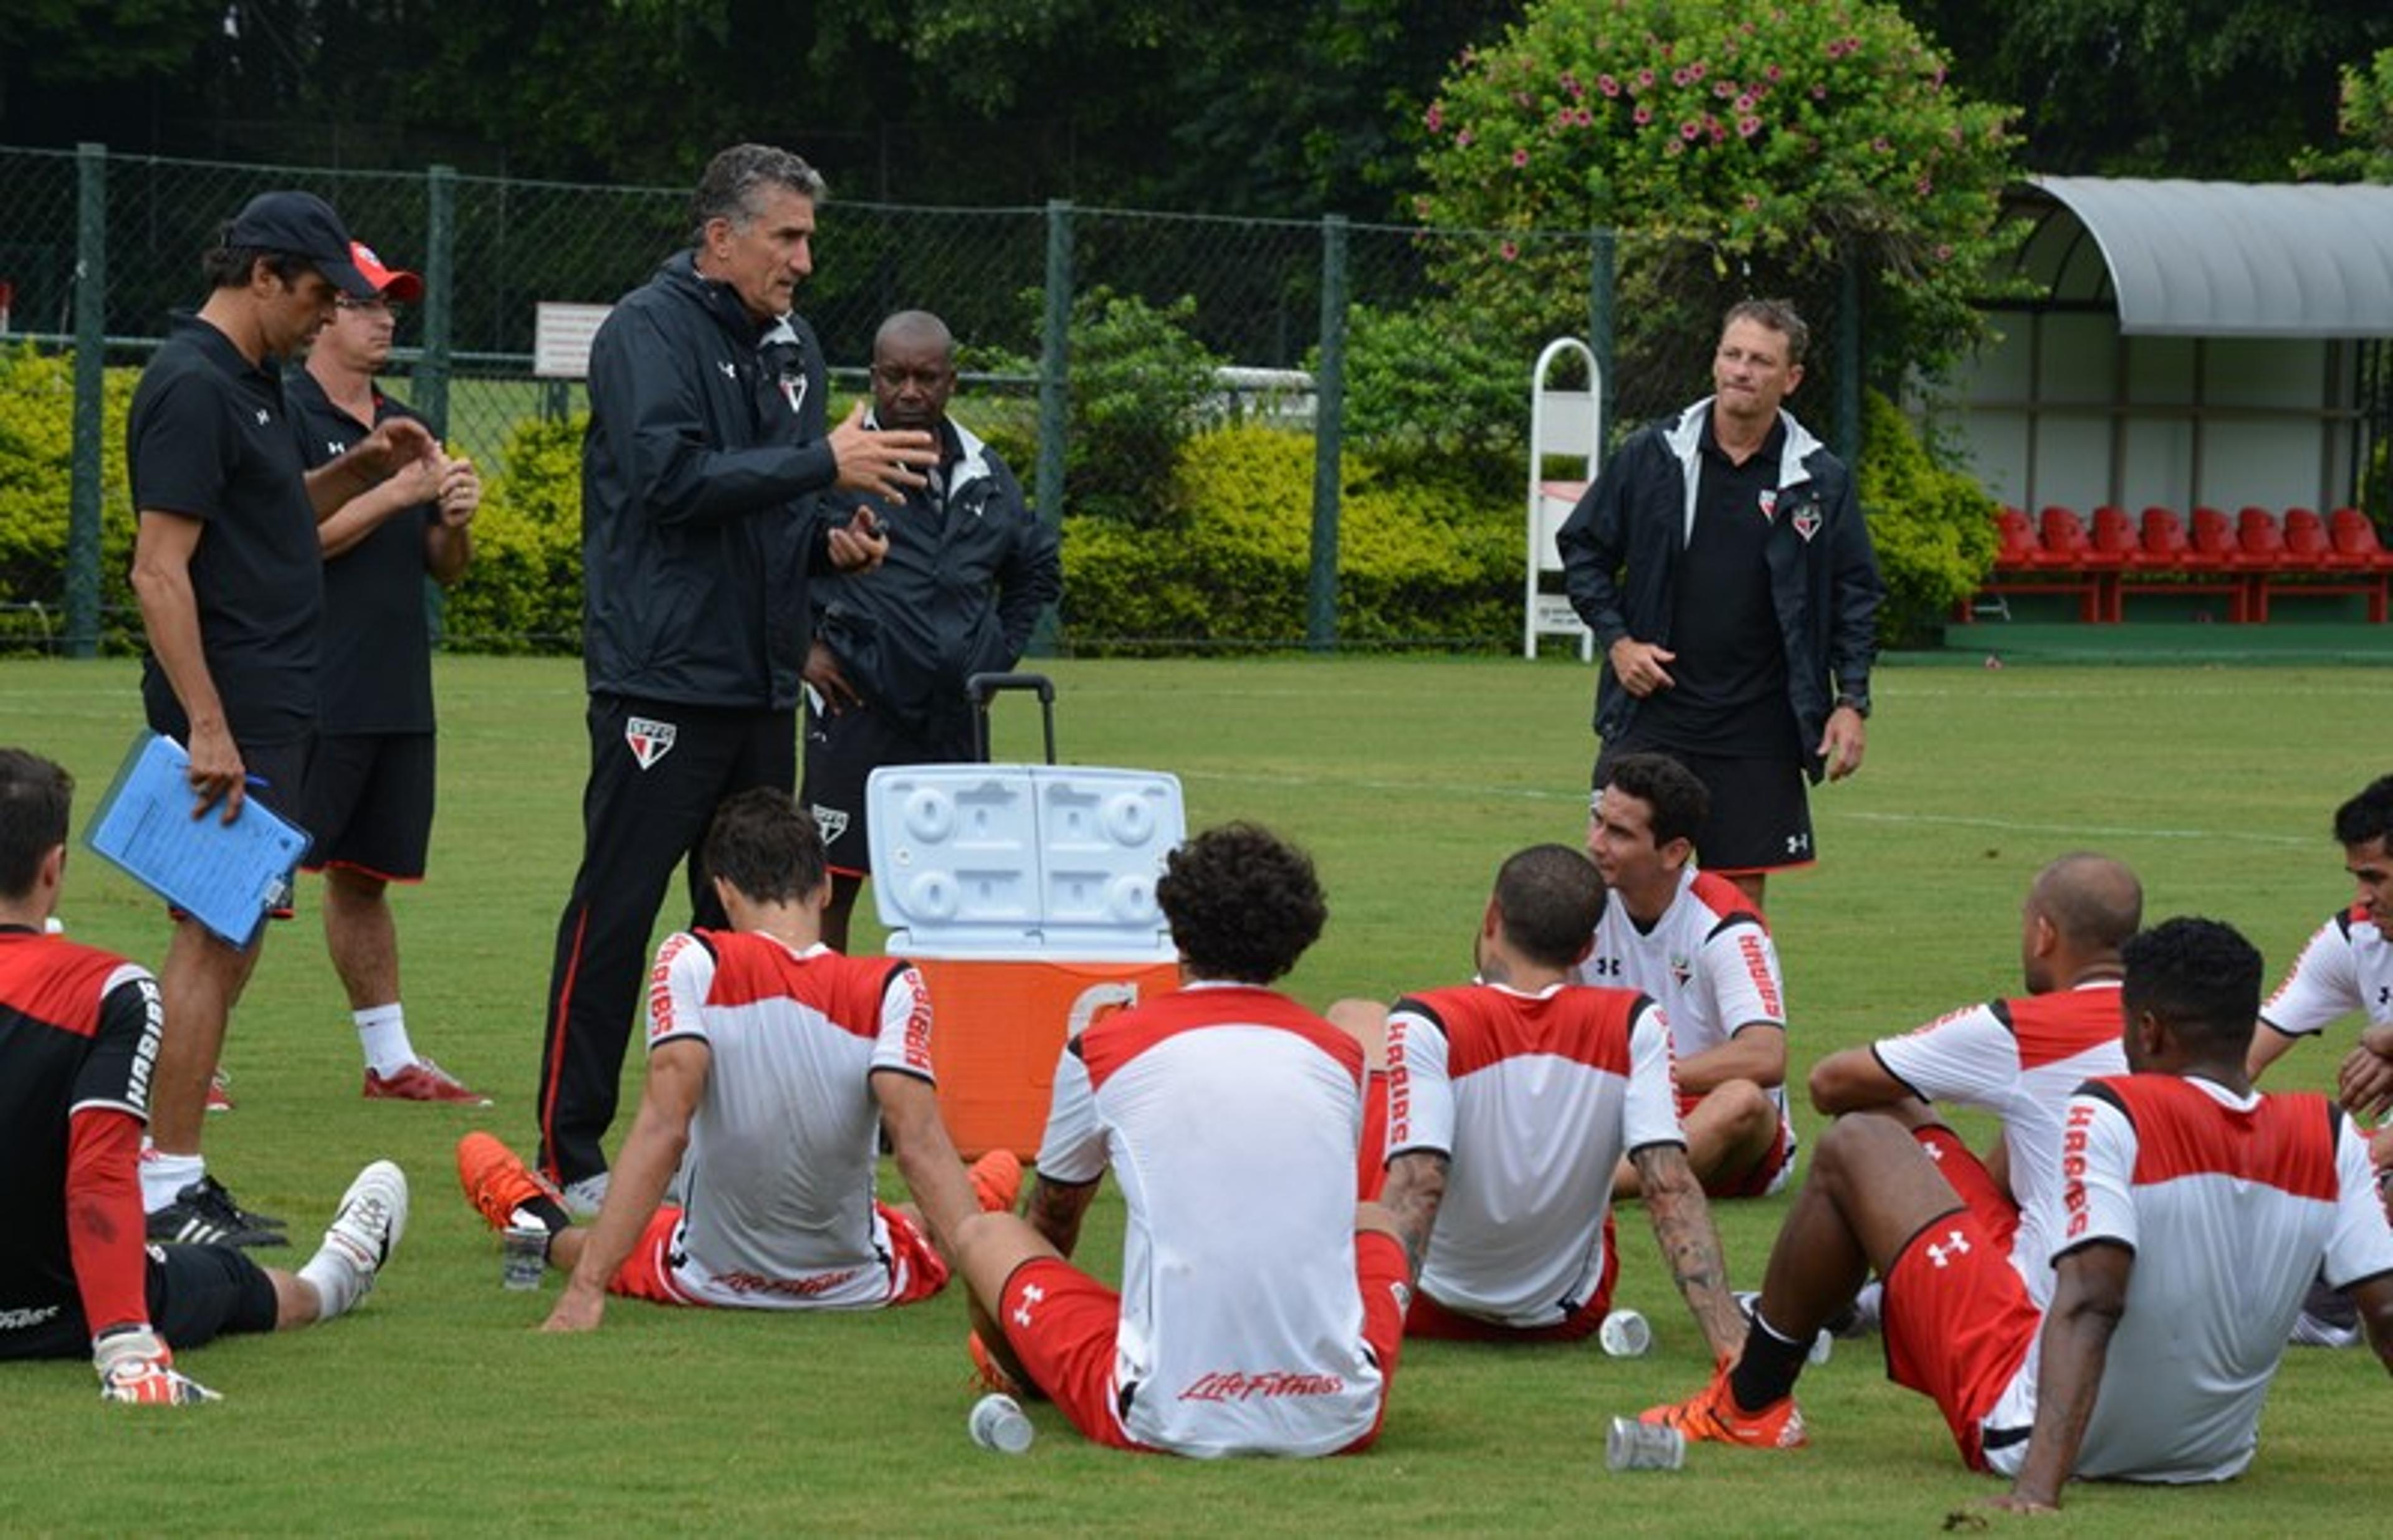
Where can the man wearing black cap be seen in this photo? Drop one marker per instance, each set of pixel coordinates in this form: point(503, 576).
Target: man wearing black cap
point(700, 522)
point(231, 582)
point(369, 778)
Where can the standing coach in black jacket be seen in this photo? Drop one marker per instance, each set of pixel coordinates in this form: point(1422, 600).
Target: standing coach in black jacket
point(1723, 561)
point(700, 522)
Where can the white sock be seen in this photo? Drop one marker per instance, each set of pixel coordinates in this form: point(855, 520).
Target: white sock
point(339, 1282)
point(163, 1176)
point(382, 1032)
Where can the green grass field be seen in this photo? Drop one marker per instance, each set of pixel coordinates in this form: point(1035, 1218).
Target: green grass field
point(437, 1409)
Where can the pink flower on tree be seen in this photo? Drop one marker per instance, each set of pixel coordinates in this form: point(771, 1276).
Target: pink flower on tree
point(1723, 88)
point(1643, 116)
point(1748, 126)
point(1644, 80)
point(1753, 202)
point(1462, 139)
point(1819, 93)
point(1681, 77)
point(1691, 129)
point(1943, 254)
point(1509, 252)
point(1571, 86)
point(1923, 187)
point(1435, 117)
point(1608, 86)
point(1773, 72)
point(1695, 71)
point(1744, 102)
point(1520, 158)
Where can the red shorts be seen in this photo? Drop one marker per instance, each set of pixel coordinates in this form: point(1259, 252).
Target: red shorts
point(647, 1273)
point(1428, 1318)
point(1958, 1323)
point(1756, 1180)
point(1967, 1176)
point(1061, 1325)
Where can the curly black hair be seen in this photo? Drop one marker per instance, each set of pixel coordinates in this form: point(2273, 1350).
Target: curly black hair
point(1243, 904)
point(2199, 977)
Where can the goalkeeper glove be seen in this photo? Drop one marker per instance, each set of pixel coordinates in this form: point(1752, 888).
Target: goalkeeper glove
point(135, 1369)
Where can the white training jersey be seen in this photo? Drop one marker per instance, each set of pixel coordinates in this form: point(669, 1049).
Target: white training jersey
point(778, 1182)
point(2347, 966)
point(2232, 1204)
point(1230, 1116)
point(2020, 1060)
point(1708, 963)
point(1534, 1100)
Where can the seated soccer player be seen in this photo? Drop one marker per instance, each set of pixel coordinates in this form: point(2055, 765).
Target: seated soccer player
point(2348, 967)
point(1692, 942)
point(775, 1064)
point(2192, 1212)
point(1511, 1102)
point(78, 1037)
point(1261, 1310)
point(2019, 1059)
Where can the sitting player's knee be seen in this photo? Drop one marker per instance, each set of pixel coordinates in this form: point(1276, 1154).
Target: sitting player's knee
point(1746, 1107)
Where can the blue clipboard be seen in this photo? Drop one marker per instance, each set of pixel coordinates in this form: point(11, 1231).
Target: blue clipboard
point(225, 875)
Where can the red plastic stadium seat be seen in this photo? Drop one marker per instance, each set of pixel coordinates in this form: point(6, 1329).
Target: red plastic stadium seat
point(2262, 542)
point(2307, 545)
point(2165, 545)
point(2067, 546)
point(2215, 542)
point(2355, 538)
point(2019, 551)
point(2115, 538)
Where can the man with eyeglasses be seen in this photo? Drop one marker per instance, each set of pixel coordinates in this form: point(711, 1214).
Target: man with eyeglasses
point(368, 791)
point(968, 570)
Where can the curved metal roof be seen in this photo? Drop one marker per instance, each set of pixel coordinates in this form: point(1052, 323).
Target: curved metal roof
point(2237, 259)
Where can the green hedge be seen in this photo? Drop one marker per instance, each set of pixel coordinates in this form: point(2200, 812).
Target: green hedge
point(523, 591)
point(36, 480)
point(1418, 561)
point(1933, 527)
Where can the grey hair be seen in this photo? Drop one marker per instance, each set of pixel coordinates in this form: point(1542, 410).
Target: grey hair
point(729, 189)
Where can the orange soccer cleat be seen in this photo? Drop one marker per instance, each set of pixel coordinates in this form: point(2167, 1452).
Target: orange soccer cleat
point(1712, 1413)
point(496, 1181)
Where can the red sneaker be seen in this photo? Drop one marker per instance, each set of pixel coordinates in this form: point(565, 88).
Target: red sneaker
point(496, 1183)
point(219, 1098)
point(422, 1081)
point(987, 1374)
point(997, 1181)
point(1712, 1413)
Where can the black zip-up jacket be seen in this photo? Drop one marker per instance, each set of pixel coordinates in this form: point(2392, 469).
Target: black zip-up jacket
point(707, 445)
point(965, 578)
point(1621, 545)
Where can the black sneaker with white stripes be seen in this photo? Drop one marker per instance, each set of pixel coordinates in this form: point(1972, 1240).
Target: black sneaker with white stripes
point(204, 1214)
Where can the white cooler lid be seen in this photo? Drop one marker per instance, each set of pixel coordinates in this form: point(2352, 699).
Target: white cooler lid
point(1022, 860)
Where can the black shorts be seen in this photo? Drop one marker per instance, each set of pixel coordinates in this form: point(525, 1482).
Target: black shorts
point(1760, 817)
point(277, 779)
point(196, 1294)
point(369, 804)
point(842, 752)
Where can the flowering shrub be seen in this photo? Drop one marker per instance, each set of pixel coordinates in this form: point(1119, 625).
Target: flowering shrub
point(2364, 118)
point(1737, 149)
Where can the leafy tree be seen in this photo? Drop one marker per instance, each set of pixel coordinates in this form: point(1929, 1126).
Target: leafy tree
point(1738, 149)
point(2204, 88)
point(2366, 123)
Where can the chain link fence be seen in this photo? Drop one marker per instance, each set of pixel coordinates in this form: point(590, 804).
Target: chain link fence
point(1410, 367)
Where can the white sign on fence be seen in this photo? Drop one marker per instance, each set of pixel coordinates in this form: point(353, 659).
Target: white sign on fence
point(560, 339)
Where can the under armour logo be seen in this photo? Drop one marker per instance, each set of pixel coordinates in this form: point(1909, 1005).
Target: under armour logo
point(334, 447)
point(730, 370)
point(1798, 843)
point(1403, 1295)
point(1604, 967)
point(1031, 1294)
point(1955, 1244)
point(264, 417)
point(1933, 1147)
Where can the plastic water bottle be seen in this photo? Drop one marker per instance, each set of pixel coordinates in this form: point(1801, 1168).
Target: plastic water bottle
point(999, 1423)
point(1625, 1334)
point(1634, 1445)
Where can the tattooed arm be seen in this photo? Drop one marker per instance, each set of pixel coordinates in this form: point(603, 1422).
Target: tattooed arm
point(1056, 1208)
point(1682, 1224)
point(1416, 1186)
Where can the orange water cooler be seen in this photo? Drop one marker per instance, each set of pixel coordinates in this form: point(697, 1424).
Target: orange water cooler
point(1025, 895)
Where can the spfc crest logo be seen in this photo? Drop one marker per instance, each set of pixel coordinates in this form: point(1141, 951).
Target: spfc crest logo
point(1807, 523)
point(832, 821)
point(1680, 971)
point(650, 740)
point(1768, 503)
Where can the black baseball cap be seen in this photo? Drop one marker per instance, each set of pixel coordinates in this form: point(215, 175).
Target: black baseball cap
point(305, 226)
